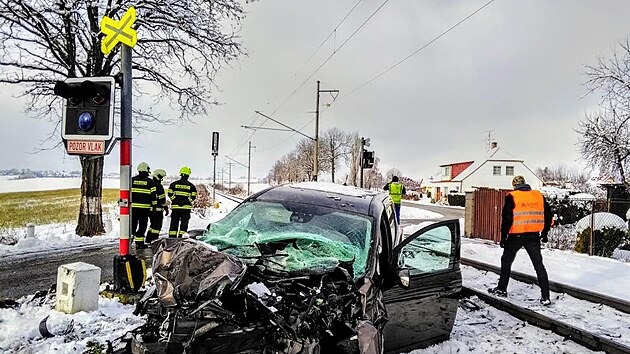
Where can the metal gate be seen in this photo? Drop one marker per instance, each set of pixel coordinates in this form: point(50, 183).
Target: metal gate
point(487, 217)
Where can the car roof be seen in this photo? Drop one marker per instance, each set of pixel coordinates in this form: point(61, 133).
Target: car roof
point(336, 196)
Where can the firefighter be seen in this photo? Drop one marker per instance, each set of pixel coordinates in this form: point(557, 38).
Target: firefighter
point(143, 199)
point(182, 194)
point(160, 210)
point(526, 220)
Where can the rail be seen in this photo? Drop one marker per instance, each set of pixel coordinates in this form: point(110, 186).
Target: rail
point(616, 303)
point(578, 335)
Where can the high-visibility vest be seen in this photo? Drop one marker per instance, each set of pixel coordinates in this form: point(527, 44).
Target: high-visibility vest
point(529, 212)
point(395, 192)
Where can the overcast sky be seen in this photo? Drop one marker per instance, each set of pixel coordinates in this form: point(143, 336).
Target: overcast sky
point(514, 68)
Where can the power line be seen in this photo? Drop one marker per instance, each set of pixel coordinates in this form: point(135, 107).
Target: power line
point(417, 51)
point(326, 39)
point(316, 70)
point(287, 139)
point(330, 56)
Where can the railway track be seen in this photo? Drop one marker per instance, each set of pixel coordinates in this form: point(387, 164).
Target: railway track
point(558, 322)
point(593, 341)
point(616, 303)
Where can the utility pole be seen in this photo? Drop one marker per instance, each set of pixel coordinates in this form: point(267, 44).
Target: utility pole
point(316, 147)
point(249, 166)
point(230, 164)
point(361, 164)
point(222, 175)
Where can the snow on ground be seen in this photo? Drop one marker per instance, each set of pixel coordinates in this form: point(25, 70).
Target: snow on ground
point(582, 314)
point(19, 326)
point(49, 183)
point(417, 213)
point(482, 329)
point(598, 274)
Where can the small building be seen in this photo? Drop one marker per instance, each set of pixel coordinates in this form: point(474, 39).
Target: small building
point(494, 170)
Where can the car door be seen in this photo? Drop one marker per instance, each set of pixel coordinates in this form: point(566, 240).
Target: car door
point(423, 312)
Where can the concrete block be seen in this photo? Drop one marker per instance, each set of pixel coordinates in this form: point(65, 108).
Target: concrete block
point(77, 287)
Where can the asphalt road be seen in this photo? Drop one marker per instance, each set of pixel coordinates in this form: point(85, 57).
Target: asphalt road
point(28, 274)
point(448, 212)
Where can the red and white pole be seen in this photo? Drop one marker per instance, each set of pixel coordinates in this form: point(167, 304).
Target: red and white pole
point(125, 195)
point(125, 150)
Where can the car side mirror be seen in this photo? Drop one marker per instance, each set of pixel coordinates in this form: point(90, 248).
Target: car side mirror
point(403, 278)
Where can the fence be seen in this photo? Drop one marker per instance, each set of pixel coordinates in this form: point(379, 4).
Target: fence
point(596, 227)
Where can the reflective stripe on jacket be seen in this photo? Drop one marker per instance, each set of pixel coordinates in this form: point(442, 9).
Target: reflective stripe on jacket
point(143, 194)
point(529, 212)
point(161, 195)
point(395, 192)
point(182, 194)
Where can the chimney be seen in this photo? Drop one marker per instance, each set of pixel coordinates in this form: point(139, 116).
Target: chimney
point(494, 145)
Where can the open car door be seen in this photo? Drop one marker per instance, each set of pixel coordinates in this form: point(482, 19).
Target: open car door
point(422, 308)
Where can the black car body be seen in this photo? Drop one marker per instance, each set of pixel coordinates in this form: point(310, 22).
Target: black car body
point(304, 268)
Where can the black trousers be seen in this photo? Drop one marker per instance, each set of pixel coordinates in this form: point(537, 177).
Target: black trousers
point(157, 219)
point(532, 246)
point(179, 221)
point(139, 223)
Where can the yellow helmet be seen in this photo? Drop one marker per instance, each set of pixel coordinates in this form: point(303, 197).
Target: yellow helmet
point(159, 173)
point(143, 167)
point(185, 171)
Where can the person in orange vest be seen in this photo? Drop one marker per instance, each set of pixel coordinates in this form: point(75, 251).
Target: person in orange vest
point(526, 220)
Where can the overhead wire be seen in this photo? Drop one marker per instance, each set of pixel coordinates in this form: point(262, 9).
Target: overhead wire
point(328, 37)
point(318, 68)
point(417, 51)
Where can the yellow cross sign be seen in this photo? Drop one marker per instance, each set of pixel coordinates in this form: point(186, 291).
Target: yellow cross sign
point(118, 31)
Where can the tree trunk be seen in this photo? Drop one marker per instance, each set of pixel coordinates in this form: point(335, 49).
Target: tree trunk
point(91, 213)
point(332, 169)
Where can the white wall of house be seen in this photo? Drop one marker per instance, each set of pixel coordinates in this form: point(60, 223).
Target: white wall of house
point(485, 176)
point(447, 187)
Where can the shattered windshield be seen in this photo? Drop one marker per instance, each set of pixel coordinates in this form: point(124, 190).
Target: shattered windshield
point(292, 237)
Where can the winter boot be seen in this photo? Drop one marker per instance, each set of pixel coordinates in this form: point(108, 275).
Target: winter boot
point(497, 292)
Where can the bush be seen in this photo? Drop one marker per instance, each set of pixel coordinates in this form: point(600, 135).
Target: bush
point(568, 211)
point(203, 198)
point(457, 199)
point(236, 190)
point(605, 241)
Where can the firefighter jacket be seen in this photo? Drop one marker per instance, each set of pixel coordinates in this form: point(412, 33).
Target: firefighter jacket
point(525, 212)
point(396, 191)
point(182, 194)
point(143, 191)
point(161, 195)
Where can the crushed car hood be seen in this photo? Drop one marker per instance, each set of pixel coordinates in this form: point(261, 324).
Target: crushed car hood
point(203, 295)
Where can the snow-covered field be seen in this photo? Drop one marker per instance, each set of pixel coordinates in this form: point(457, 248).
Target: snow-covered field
point(46, 184)
point(480, 330)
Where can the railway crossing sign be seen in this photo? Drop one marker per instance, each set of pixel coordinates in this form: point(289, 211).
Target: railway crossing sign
point(119, 31)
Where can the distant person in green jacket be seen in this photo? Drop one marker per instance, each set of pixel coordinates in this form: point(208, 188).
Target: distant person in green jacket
point(396, 191)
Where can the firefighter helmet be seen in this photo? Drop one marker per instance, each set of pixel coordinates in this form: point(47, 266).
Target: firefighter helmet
point(159, 173)
point(143, 167)
point(185, 171)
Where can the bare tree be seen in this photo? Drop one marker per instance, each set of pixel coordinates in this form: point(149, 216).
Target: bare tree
point(605, 142)
point(338, 146)
point(394, 171)
point(181, 46)
point(562, 175)
point(604, 135)
point(354, 161)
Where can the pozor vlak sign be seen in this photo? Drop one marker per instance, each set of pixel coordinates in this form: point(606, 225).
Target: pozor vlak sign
point(87, 125)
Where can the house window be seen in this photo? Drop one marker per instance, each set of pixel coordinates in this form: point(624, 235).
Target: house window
point(496, 170)
point(509, 170)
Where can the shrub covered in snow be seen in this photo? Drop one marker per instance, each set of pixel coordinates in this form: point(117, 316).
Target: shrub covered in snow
point(605, 240)
point(601, 221)
point(562, 237)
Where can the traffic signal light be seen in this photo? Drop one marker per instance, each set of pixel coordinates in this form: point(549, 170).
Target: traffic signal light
point(88, 108)
point(368, 159)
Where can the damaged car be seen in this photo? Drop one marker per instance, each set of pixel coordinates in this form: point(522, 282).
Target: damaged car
point(304, 268)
